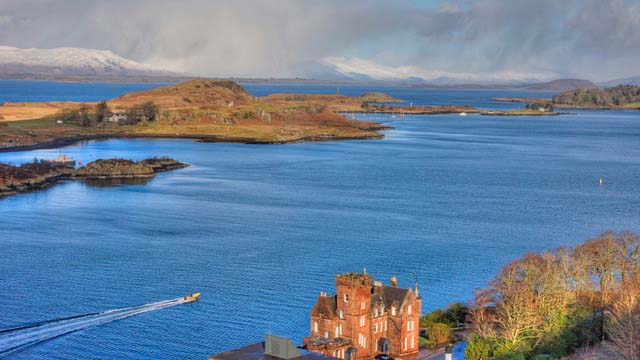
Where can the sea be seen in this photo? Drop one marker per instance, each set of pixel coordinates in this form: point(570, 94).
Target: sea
point(261, 230)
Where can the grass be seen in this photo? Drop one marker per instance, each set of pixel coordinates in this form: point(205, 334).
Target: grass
point(635, 105)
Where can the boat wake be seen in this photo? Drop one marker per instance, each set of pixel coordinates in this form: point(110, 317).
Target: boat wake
point(17, 338)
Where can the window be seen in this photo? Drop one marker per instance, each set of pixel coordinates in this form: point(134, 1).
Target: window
point(341, 314)
point(375, 312)
point(326, 334)
point(340, 329)
point(315, 327)
point(405, 343)
point(362, 340)
point(412, 342)
point(362, 320)
point(409, 309)
point(363, 305)
point(410, 326)
point(346, 297)
point(385, 326)
point(375, 328)
point(381, 310)
point(337, 332)
point(393, 310)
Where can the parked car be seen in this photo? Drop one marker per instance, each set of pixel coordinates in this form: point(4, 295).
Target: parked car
point(383, 357)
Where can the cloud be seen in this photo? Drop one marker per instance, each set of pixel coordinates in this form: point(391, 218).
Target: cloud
point(5, 20)
point(579, 38)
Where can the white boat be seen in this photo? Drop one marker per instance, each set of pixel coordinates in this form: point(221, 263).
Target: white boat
point(463, 114)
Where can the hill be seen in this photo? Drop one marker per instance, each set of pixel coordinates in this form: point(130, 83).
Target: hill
point(613, 97)
point(563, 85)
point(378, 97)
point(192, 93)
point(632, 80)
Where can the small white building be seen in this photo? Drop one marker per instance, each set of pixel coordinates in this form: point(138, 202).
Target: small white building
point(118, 117)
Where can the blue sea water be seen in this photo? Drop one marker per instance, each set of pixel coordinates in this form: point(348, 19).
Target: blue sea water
point(260, 230)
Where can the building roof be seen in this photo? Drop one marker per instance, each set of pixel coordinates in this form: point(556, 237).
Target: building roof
point(392, 294)
point(325, 307)
point(259, 351)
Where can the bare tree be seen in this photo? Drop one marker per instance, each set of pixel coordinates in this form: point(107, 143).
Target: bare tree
point(83, 115)
point(623, 322)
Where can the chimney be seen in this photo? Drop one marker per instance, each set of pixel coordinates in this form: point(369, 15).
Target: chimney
point(393, 281)
point(377, 283)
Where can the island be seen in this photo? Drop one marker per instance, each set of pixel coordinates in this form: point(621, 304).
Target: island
point(43, 174)
point(617, 97)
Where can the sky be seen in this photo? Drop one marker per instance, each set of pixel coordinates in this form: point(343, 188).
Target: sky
point(484, 40)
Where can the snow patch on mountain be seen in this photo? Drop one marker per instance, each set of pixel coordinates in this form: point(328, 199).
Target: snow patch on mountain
point(358, 68)
point(71, 61)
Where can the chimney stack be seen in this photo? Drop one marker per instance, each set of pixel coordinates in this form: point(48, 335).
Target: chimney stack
point(393, 281)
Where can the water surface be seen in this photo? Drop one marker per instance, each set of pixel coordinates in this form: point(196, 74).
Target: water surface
point(260, 230)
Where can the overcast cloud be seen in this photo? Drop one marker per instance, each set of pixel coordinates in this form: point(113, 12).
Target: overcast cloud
point(594, 39)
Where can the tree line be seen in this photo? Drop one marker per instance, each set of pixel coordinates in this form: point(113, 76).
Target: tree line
point(549, 304)
point(86, 115)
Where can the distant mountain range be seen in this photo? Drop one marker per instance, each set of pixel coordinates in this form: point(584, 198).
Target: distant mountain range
point(63, 62)
point(77, 64)
point(563, 85)
point(634, 80)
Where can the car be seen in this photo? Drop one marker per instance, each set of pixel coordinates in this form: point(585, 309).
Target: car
point(383, 357)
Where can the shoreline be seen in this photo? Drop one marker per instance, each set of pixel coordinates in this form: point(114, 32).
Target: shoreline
point(44, 175)
point(66, 141)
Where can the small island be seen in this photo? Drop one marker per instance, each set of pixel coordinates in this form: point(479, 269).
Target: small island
point(43, 174)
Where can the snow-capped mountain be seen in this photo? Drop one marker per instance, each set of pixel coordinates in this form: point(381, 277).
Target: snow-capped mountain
point(356, 68)
point(71, 61)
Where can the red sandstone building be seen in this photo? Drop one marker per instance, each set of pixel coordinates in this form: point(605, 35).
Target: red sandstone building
point(366, 318)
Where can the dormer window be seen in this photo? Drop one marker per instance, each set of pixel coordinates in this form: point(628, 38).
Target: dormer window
point(393, 310)
point(375, 312)
point(409, 309)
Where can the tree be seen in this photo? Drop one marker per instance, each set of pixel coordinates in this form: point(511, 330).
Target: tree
point(623, 322)
point(83, 115)
point(552, 302)
point(478, 348)
point(439, 333)
point(455, 314)
point(602, 253)
point(149, 110)
point(102, 112)
point(431, 318)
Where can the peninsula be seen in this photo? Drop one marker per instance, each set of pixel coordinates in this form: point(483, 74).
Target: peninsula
point(617, 97)
point(208, 110)
point(44, 174)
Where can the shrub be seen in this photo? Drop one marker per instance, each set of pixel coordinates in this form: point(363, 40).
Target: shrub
point(478, 348)
point(439, 333)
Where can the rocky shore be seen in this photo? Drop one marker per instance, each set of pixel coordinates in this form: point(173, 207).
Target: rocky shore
point(40, 175)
